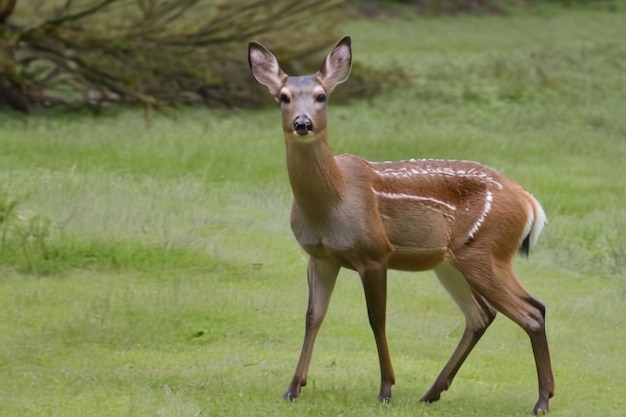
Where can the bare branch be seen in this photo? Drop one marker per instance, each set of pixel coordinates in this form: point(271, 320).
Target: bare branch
point(155, 52)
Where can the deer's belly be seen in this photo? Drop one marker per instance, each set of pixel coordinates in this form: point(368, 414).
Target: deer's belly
point(402, 258)
point(416, 259)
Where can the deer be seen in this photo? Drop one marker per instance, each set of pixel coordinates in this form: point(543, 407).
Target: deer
point(462, 219)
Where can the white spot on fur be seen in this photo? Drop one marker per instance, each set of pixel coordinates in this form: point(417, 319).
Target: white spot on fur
point(483, 216)
point(412, 170)
point(402, 196)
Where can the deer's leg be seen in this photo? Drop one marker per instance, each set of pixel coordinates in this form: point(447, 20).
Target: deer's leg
point(478, 316)
point(504, 292)
point(322, 275)
point(375, 286)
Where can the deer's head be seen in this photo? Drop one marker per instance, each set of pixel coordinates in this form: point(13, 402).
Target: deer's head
point(303, 99)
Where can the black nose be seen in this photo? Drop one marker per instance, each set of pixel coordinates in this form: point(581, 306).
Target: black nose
point(302, 125)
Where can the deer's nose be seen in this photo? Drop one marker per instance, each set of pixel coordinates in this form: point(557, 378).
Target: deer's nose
point(302, 125)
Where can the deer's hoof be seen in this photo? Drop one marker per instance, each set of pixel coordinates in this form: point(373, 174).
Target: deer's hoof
point(431, 396)
point(293, 391)
point(384, 399)
point(541, 408)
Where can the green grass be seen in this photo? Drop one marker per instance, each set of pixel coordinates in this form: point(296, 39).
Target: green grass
point(152, 271)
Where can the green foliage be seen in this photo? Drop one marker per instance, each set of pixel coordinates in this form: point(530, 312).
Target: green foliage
point(7, 215)
point(481, 7)
point(34, 244)
point(22, 237)
point(32, 253)
point(158, 53)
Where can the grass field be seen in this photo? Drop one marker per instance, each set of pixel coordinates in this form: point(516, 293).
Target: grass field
point(152, 271)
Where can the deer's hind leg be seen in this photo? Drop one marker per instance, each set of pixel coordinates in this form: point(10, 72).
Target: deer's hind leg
point(499, 285)
point(478, 316)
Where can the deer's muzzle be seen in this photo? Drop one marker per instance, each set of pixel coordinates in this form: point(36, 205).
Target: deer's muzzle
point(302, 125)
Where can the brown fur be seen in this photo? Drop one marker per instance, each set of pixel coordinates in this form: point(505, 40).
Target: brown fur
point(460, 218)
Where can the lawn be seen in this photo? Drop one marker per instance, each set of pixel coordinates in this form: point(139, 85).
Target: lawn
point(151, 271)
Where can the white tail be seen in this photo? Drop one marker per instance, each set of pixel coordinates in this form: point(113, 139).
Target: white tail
point(460, 218)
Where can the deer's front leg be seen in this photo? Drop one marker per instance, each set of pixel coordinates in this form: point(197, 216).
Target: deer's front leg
point(374, 280)
point(322, 275)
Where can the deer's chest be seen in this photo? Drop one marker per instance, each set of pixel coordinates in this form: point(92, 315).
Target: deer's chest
point(320, 239)
point(336, 237)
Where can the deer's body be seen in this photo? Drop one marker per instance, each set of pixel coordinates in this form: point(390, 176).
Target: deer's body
point(460, 218)
point(414, 214)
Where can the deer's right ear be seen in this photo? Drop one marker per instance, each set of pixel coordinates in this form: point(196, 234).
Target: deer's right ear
point(265, 68)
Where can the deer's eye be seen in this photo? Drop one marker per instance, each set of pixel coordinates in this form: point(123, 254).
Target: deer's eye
point(321, 98)
point(284, 98)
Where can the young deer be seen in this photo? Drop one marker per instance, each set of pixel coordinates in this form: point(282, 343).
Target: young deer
point(460, 218)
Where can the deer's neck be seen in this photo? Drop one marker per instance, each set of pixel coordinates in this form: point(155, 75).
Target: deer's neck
point(316, 180)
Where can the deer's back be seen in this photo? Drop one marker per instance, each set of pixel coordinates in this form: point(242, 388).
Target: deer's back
point(431, 207)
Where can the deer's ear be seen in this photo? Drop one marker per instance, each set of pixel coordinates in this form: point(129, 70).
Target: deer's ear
point(265, 68)
point(336, 66)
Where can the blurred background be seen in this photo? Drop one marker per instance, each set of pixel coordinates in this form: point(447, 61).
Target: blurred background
point(160, 53)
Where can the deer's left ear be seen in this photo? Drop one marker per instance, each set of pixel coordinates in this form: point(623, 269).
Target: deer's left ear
point(336, 66)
